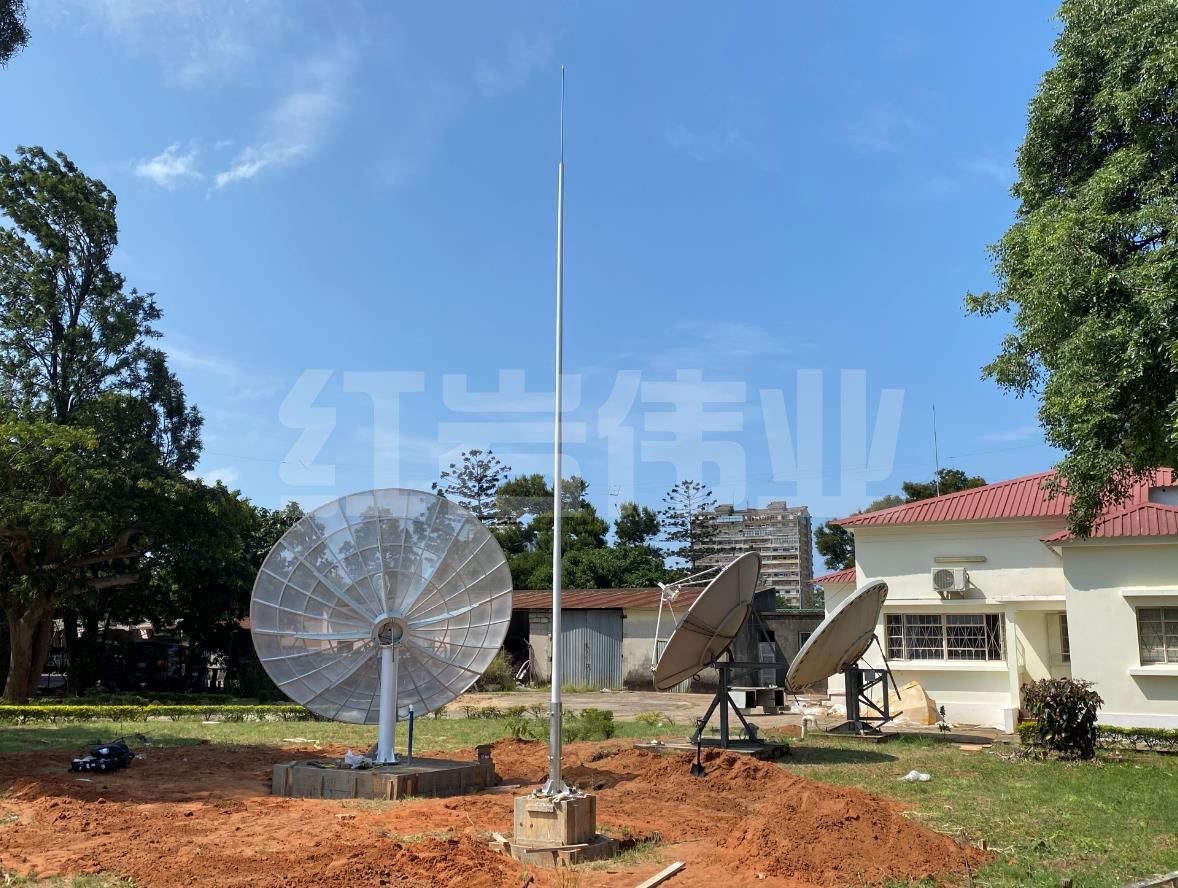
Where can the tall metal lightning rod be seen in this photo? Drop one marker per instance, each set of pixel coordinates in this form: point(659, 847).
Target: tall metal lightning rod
point(556, 784)
point(936, 452)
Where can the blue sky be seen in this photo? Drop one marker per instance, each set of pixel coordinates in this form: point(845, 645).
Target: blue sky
point(347, 214)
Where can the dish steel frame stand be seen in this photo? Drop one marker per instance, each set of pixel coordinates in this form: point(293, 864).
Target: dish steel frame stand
point(724, 701)
point(859, 681)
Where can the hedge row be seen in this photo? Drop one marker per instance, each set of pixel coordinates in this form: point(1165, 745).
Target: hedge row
point(62, 712)
point(1161, 739)
point(1113, 737)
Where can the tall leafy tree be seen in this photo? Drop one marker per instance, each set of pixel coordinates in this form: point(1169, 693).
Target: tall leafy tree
point(636, 525)
point(201, 581)
point(688, 523)
point(835, 544)
point(14, 35)
point(95, 432)
point(1089, 268)
point(474, 483)
point(944, 481)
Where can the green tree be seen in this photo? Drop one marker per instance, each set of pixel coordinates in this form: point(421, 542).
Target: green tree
point(526, 537)
point(944, 481)
point(14, 36)
point(1090, 266)
point(474, 483)
point(95, 433)
point(835, 544)
point(636, 525)
point(688, 521)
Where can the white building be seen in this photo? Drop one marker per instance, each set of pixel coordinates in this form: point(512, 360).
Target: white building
point(987, 590)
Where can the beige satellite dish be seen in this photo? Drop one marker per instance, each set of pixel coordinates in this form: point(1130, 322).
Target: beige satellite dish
point(711, 623)
point(841, 639)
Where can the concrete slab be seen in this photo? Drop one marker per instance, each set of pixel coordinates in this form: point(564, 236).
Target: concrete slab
point(425, 777)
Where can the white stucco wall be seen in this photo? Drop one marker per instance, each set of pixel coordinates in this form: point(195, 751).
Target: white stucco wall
point(1105, 585)
point(1019, 578)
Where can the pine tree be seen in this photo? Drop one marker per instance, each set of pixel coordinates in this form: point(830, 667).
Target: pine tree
point(688, 521)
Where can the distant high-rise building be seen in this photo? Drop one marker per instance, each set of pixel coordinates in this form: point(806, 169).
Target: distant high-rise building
point(781, 535)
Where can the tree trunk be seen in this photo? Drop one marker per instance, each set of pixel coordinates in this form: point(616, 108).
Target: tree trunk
point(29, 629)
point(73, 656)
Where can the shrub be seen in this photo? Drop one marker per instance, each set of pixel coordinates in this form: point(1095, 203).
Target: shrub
point(1064, 710)
point(1154, 739)
point(499, 676)
point(654, 719)
point(597, 724)
point(61, 712)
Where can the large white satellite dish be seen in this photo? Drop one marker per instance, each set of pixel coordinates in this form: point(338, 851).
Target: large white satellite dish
point(711, 623)
point(841, 639)
point(378, 602)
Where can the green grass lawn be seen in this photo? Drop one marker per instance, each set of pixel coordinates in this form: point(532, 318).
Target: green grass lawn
point(428, 733)
point(1103, 824)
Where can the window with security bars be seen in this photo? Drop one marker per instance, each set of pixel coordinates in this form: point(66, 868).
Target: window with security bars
point(1157, 634)
point(944, 636)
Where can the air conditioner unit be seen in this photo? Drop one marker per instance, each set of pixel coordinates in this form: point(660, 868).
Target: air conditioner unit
point(950, 580)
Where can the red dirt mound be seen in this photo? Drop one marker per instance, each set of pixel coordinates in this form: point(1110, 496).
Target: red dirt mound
point(203, 816)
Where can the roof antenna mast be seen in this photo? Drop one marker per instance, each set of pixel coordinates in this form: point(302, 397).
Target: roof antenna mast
point(936, 452)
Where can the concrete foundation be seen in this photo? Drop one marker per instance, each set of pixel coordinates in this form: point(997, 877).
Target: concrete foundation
point(556, 832)
point(423, 777)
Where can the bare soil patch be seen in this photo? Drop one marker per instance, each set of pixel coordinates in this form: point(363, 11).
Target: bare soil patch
point(202, 815)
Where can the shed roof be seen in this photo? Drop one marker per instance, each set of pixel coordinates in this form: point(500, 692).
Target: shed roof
point(599, 599)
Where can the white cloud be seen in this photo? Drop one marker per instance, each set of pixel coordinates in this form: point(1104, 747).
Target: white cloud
point(882, 129)
point(706, 145)
point(428, 108)
point(240, 382)
point(1022, 433)
point(1001, 172)
point(298, 124)
point(226, 475)
point(170, 167)
point(721, 342)
point(526, 54)
point(194, 40)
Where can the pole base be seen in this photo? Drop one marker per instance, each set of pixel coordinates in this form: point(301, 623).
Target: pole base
point(556, 831)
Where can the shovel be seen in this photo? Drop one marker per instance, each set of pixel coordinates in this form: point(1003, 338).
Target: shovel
point(697, 769)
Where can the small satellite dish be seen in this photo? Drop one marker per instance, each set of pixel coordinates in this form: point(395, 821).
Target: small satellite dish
point(378, 602)
point(711, 623)
point(841, 639)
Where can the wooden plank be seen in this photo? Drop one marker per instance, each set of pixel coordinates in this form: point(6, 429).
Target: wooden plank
point(660, 877)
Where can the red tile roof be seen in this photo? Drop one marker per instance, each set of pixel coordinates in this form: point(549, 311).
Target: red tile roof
point(1017, 498)
point(1025, 498)
point(598, 599)
point(847, 575)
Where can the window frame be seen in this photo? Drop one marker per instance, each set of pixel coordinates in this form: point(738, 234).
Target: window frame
point(1167, 621)
point(931, 637)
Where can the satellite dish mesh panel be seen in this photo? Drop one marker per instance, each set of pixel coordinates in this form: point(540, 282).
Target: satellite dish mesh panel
point(841, 639)
point(393, 566)
point(711, 623)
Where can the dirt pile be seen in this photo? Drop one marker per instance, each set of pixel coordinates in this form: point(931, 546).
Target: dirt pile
point(196, 816)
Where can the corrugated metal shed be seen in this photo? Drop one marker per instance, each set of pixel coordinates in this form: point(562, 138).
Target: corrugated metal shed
point(599, 599)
